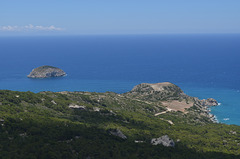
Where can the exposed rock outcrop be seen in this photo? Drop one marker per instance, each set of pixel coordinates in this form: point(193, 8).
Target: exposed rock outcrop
point(118, 133)
point(46, 72)
point(164, 140)
point(74, 106)
point(209, 102)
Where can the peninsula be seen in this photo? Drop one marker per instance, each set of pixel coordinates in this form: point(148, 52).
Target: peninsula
point(46, 72)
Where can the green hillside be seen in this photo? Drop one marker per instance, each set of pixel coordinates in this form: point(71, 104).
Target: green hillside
point(79, 125)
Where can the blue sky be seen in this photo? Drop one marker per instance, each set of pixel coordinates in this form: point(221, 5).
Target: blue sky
point(119, 16)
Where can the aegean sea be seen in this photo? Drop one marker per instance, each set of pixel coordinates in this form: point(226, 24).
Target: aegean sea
point(202, 65)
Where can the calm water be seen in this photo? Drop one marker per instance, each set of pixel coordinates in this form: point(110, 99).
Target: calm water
point(202, 65)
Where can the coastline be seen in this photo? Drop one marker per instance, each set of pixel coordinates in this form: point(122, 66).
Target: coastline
point(227, 111)
point(213, 117)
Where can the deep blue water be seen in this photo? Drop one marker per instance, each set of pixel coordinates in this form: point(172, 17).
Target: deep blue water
point(202, 65)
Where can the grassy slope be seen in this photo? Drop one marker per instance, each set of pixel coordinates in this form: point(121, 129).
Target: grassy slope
point(43, 126)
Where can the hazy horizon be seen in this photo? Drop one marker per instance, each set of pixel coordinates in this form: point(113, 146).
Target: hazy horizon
point(107, 17)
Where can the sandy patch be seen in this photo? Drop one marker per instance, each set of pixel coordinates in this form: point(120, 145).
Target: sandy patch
point(175, 105)
point(160, 86)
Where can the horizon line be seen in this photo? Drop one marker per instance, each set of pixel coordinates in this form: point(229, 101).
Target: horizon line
point(112, 34)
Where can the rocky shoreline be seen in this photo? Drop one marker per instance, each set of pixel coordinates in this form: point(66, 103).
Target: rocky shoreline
point(173, 98)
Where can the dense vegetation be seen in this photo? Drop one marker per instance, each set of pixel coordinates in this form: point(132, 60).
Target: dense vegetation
point(43, 125)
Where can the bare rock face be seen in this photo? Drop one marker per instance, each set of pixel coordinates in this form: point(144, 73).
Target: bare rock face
point(46, 72)
point(118, 133)
point(74, 106)
point(209, 102)
point(164, 140)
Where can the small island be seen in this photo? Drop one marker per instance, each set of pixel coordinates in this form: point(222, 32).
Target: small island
point(46, 72)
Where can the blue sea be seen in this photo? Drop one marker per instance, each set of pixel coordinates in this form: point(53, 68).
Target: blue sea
point(202, 65)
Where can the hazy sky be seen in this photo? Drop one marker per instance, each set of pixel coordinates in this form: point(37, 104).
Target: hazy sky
point(119, 16)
